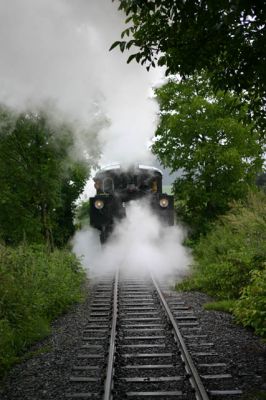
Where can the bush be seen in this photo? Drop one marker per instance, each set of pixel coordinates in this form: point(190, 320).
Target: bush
point(250, 309)
point(230, 260)
point(35, 286)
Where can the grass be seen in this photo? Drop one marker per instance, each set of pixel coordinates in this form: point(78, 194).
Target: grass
point(35, 287)
point(230, 263)
point(42, 350)
point(222, 305)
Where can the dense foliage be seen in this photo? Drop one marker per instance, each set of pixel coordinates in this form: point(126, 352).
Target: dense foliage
point(208, 137)
point(250, 309)
point(226, 38)
point(35, 286)
point(82, 216)
point(231, 261)
point(39, 182)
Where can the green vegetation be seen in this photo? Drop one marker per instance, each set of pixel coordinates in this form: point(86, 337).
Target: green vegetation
point(222, 305)
point(250, 309)
point(225, 38)
point(42, 350)
point(82, 216)
point(35, 287)
point(230, 262)
point(40, 184)
point(207, 135)
point(39, 181)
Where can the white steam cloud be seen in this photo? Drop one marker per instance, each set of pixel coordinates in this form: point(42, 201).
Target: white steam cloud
point(139, 243)
point(55, 57)
point(56, 53)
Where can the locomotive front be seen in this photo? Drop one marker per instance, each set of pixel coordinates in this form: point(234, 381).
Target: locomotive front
point(116, 186)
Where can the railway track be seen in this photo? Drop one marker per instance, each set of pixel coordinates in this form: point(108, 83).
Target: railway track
point(143, 342)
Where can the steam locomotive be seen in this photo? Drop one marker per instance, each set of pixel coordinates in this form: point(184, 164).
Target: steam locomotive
point(116, 186)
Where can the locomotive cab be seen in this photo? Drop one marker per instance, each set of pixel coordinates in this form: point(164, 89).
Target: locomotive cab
point(116, 186)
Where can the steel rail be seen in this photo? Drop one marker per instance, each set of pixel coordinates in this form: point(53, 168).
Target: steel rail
point(110, 365)
point(194, 377)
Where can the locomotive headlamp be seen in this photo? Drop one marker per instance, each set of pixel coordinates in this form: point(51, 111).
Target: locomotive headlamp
point(99, 204)
point(164, 202)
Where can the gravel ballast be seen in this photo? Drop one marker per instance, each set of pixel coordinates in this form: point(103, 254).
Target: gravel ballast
point(46, 375)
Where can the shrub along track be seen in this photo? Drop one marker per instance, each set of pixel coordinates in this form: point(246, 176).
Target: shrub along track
point(143, 342)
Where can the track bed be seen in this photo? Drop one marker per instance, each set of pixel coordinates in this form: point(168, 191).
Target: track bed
point(148, 361)
point(144, 342)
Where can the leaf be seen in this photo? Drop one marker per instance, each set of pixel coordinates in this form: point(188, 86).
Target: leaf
point(161, 61)
point(115, 44)
point(122, 46)
point(138, 57)
point(128, 19)
point(126, 32)
point(130, 58)
point(130, 43)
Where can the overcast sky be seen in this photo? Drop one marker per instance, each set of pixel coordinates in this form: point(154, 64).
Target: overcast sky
point(56, 53)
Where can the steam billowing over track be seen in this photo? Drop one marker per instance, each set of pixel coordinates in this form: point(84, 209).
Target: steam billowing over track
point(142, 342)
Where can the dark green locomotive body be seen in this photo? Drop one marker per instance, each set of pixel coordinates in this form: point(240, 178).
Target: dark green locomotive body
point(116, 186)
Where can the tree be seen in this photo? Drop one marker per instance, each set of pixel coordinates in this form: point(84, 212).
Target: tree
point(39, 182)
point(207, 136)
point(225, 38)
point(83, 214)
point(71, 187)
point(261, 181)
